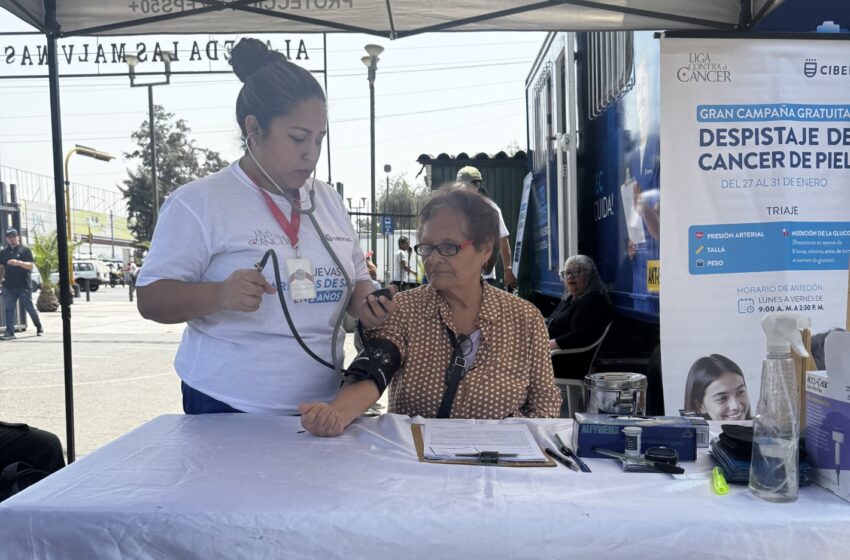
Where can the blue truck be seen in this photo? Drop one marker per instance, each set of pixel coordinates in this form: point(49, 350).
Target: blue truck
point(593, 112)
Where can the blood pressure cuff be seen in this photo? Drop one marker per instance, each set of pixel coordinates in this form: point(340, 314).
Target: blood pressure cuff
point(378, 361)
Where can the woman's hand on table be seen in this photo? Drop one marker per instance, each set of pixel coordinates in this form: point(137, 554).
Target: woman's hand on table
point(243, 290)
point(321, 419)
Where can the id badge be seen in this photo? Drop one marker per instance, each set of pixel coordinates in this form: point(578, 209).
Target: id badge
point(302, 285)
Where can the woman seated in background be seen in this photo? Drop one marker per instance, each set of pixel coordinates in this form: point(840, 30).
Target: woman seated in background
point(457, 347)
point(581, 317)
point(716, 389)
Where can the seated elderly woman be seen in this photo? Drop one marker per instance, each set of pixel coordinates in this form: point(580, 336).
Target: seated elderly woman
point(457, 347)
point(580, 318)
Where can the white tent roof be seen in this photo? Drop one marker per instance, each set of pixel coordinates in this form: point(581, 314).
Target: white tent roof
point(390, 18)
point(393, 18)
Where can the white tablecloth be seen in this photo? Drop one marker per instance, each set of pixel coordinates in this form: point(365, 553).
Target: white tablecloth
point(248, 486)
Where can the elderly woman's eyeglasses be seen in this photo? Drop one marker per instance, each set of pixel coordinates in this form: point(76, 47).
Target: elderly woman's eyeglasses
point(445, 249)
point(572, 273)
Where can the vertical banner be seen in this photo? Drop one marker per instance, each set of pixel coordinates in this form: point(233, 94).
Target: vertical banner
point(520, 225)
point(755, 146)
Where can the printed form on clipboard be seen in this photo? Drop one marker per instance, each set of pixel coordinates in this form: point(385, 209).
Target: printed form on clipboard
point(447, 441)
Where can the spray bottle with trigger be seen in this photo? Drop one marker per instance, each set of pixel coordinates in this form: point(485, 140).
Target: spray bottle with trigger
point(776, 428)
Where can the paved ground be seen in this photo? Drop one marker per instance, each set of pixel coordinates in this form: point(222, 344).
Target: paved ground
point(123, 373)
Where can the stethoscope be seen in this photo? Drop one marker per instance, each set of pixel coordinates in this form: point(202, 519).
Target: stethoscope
point(349, 290)
point(296, 206)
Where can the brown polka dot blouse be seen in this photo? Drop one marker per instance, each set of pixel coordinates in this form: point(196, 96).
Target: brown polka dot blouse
point(512, 371)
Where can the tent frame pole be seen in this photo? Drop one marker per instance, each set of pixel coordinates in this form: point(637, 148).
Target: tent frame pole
point(53, 33)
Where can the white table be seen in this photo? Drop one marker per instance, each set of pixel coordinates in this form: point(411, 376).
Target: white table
point(247, 486)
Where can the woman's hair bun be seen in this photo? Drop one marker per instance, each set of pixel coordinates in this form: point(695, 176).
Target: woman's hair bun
point(249, 55)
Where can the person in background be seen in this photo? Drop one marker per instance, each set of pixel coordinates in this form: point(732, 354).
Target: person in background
point(238, 353)
point(404, 275)
point(131, 273)
point(716, 388)
point(580, 318)
point(15, 271)
point(471, 176)
point(457, 347)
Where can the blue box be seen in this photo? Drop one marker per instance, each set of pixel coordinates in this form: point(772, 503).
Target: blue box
point(606, 431)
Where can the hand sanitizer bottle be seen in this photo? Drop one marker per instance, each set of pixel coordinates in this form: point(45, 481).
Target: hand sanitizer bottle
point(776, 427)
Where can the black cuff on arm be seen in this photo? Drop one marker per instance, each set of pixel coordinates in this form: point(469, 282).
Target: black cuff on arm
point(378, 361)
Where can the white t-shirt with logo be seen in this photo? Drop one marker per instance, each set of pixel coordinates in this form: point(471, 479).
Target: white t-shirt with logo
point(399, 273)
point(221, 223)
point(503, 232)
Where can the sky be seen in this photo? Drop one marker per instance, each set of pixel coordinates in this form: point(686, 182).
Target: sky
point(446, 92)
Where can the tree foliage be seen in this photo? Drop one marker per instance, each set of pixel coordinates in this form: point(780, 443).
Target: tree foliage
point(179, 161)
point(403, 200)
point(45, 256)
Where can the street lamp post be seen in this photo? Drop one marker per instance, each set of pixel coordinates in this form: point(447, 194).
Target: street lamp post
point(371, 62)
point(387, 169)
point(132, 61)
point(359, 210)
point(87, 152)
point(65, 283)
point(112, 231)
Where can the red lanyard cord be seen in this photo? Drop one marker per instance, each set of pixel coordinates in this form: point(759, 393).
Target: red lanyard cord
point(290, 227)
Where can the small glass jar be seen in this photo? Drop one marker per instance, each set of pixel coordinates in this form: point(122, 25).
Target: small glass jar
point(632, 434)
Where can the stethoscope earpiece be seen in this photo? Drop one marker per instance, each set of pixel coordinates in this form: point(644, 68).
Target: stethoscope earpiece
point(286, 195)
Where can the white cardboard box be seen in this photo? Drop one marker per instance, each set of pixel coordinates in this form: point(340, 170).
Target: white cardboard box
point(828, 417)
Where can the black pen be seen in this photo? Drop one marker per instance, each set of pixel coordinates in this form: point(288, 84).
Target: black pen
point(563, 460)
point(571, 454)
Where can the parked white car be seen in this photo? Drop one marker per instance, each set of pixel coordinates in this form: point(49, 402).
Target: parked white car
point(87, 270)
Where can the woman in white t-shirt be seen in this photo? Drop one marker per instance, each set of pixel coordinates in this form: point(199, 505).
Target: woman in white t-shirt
point(404, 263)
point(238, 353)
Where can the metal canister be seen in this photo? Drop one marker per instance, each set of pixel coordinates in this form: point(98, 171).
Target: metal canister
point(616, 393)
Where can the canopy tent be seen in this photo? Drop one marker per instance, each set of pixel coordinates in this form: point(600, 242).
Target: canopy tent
point(388, 18)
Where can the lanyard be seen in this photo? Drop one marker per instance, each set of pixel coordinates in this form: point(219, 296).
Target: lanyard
point(290, 226)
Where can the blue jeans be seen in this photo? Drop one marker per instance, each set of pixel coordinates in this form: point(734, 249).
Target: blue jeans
point(10, 301)
point(196, 402)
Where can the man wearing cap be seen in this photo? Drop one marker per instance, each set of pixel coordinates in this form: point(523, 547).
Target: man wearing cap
point(15, 269)
point(404, 277)
point(471, 176)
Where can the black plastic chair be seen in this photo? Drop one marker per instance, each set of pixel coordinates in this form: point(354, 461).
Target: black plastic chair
point(581, 361)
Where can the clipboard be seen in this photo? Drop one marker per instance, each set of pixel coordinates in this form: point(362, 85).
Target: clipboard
point(420, 452)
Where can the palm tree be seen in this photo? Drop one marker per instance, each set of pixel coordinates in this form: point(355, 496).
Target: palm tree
point(45, 256)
